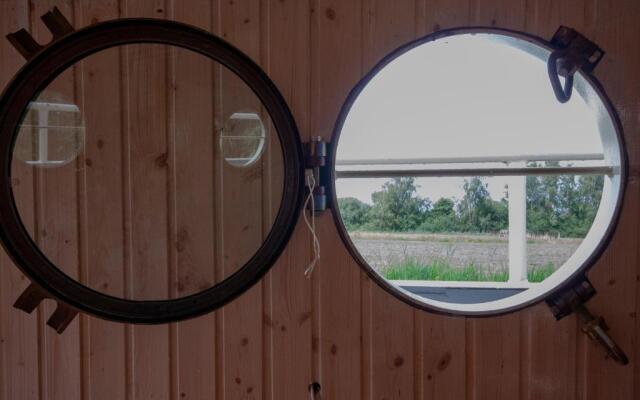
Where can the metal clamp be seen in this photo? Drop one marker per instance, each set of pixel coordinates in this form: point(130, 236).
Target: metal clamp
point(572, 300)
point(572, 52)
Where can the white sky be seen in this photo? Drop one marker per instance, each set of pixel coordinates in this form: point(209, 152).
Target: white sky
point(466, 95)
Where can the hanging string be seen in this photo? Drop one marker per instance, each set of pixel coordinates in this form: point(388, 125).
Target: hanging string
point(311, 225)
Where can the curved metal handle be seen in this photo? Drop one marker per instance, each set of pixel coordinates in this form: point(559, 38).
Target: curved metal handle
point(563, 94)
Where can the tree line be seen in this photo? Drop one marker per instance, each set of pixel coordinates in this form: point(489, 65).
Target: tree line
point(561, 205)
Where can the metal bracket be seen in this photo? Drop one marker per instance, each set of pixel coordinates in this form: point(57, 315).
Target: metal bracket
point(31, 298)
point(26, 45)
point(572, 300)
point(572, 51)
point(316, 160)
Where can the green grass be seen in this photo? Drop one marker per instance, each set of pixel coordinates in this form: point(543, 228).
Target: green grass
point(538, 274)
point(439, 270)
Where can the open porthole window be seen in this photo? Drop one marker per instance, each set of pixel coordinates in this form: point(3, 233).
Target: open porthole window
point(463, 185)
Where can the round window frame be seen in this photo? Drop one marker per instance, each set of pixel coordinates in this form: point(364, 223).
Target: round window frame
point(576, 276)
point(73, 47)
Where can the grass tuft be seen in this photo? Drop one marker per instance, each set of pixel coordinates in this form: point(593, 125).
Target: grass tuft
point(440, 270)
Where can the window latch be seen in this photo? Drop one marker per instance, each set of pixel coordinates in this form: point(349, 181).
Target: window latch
point(316, 160)
point(572, 51)
point(572, 300)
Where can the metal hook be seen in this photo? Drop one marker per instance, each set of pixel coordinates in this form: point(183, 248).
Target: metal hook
point(563, 94)
point(572, 52)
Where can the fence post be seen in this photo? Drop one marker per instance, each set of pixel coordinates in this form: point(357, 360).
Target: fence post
point(517, 193)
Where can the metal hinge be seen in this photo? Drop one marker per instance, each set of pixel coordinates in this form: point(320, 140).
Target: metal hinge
point(572, 52)
point(572, 300)
point(316, 162)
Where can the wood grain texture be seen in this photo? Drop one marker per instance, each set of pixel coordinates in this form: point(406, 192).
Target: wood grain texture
point(167, 203)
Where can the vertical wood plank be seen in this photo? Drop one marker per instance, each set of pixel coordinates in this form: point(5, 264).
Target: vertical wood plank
point(242, 206)
point(443, 14)
point(289, 67)
point(500, 13)
point(444, 361)
point(147, 166)
point(336, 67)
point(194, 139)
point(615, 276)
point(102, 222)
point(57, 231)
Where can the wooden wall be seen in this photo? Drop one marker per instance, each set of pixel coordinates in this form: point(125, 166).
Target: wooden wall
point(338, 328)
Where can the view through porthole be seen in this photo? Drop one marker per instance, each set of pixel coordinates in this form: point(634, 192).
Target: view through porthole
point(464, 185)
point(242, 138)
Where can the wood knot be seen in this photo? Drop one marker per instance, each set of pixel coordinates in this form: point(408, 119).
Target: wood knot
point(398, 361)
point(330, 13)
point(444, 362)
point(161, 160)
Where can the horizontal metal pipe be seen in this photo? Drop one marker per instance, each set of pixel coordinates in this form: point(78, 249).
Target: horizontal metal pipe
point(474, 159)
point(381, 173)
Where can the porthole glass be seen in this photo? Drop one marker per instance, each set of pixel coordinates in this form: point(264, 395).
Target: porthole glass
point(176, 224)
point(463, 185)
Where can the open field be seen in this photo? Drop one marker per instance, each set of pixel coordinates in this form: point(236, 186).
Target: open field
point(488, 253)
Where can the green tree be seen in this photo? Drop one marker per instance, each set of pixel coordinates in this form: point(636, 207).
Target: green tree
point(542, 202)
point(563, 204)
point(478, 212)
point(397, 207)
point(354, 213)
point(441, 218)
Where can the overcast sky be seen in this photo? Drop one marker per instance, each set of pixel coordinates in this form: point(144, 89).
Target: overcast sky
point(466, 95)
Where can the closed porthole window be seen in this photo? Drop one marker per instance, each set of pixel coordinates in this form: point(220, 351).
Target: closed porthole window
point(464, 185)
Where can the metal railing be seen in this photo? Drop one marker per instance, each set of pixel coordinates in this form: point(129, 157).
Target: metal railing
point(514, 166)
